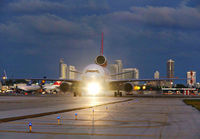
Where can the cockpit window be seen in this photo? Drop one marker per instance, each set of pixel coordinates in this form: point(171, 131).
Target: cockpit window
point(92, 71)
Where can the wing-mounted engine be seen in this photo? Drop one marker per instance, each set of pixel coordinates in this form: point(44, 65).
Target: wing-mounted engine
point(101, 60)
point(128, 87)
point(64, 87)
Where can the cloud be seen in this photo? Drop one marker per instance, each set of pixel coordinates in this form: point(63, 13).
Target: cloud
point(149, 34)
point(34, 6)
point(68, 7)
point(166, 17)
point(155, 24)
point(51, 24)
point(49, 29)
point(183, 17)
point(179, 17)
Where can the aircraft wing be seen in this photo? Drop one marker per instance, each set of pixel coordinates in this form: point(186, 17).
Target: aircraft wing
point(144, 80)
point(121, 73)
point(46, 79)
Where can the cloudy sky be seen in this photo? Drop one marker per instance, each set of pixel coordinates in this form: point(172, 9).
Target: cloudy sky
point(35, 34)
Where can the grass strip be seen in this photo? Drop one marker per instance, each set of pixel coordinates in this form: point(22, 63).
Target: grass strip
point(193, 102)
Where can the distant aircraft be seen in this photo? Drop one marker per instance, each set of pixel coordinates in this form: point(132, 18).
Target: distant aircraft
point(34, 87)
point(28, 88)
point(96, 78)
point(50, 88)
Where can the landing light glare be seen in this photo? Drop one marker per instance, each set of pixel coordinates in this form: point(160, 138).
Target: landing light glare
point(93, 88)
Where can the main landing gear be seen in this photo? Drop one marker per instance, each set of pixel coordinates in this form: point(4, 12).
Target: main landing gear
point(77, 94)
point(118, 93)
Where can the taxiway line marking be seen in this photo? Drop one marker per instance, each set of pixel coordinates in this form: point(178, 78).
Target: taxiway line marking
point(96, 125)
point(86, 134)
point(55, 112)
point(129, 121)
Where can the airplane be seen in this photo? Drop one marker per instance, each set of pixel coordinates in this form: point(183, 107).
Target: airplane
point(96, 78)
point(52, 88)
point(40, 88)
point(27, 88)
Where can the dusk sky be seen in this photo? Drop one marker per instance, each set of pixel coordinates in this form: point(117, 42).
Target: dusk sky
point(144, 34)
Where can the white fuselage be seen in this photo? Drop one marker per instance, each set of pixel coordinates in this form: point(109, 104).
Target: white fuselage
point(94, 79)
point(33, 87)
point(25, 87)
point(94, 72)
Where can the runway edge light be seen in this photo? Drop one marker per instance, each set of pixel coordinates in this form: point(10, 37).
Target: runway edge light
point(76, 115)
point(58, 118)
point(30, 127)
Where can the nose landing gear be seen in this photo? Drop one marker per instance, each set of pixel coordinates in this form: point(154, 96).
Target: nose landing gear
point(77, 94)
point(118, 93)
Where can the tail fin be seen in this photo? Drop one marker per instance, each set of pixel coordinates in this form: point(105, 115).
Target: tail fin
point(57, 83)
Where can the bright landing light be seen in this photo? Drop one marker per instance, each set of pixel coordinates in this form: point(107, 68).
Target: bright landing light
point(93, 88)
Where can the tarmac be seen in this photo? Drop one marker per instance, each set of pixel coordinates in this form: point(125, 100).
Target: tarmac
point(97, 117)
